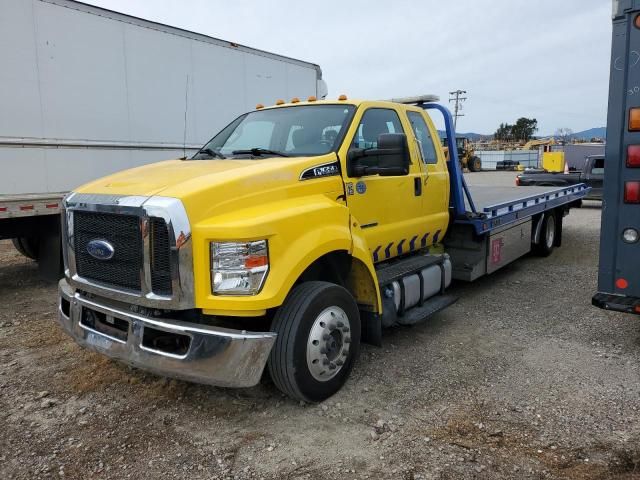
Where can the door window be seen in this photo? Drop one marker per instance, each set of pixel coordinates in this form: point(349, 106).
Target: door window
point(423, 136)
point(374, 122)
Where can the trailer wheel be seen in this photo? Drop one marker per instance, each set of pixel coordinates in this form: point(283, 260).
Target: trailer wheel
point(475, 164)
point(318, 341)
point(547, 240)
point(27, 246)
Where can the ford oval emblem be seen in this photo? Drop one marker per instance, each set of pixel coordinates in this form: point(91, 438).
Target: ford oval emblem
point(101, 249)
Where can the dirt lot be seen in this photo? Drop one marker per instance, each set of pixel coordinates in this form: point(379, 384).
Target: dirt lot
point(522, 378)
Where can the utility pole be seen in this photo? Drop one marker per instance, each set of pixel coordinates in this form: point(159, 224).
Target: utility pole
point(457, 97)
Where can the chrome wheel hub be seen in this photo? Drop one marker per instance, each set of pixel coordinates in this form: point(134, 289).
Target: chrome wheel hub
point(328, 344)
point(551, 232)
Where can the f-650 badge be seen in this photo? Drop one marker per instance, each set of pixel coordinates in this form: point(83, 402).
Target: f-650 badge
point(324, 170)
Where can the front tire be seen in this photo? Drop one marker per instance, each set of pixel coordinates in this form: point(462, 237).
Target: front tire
point(475, 164)
point(318, 341)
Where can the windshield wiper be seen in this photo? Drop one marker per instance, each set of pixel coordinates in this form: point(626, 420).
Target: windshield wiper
point(211, 152)
point(259, 152)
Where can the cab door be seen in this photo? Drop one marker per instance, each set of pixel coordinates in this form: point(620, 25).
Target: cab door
point(435, 197)
point(388, 209)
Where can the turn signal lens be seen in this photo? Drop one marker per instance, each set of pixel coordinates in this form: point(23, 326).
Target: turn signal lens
point(632, 192)
point(633, 156)
point(634, 119)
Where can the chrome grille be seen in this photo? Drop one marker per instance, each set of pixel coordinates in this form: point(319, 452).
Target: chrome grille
point(153, 231)
point(121, 231)
point(160, 257)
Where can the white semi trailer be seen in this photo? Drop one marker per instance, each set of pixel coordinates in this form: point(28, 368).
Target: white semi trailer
point(87, 91)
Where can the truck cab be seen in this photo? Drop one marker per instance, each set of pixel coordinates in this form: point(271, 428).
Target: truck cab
point(307, 196)
point(293, 234)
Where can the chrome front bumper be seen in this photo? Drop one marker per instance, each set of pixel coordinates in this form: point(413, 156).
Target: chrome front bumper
point(198, 353)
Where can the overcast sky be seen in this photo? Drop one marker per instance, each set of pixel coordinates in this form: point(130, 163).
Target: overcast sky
point(547, 59)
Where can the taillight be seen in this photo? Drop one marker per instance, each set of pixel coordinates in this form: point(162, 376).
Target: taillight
point(632, 192)
point(634, 119)
point(517, 181)
point(622, 283)
point(633, 156)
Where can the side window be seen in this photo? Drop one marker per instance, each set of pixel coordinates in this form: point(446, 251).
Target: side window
point(423, 135)
point(374, 122)
point(598, 166)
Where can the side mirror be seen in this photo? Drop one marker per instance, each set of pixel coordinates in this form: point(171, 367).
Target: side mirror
point(391, 158)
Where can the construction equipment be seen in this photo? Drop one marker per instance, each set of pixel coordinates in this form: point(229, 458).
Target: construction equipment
point(546, 142)
point(466, 154)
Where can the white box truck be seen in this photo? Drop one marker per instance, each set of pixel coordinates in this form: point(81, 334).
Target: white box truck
point(87, 91)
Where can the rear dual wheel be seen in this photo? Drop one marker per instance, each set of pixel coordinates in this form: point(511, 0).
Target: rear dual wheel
point(27, 246)
point(548, 233)
point(318, 341)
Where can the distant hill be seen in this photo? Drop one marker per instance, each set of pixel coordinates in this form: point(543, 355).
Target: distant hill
point(600, 132)
point(474, 137)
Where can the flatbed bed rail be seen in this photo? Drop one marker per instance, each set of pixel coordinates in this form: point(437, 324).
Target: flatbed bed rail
point(497, 215)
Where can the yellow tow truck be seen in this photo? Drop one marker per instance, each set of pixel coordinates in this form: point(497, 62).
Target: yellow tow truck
point(294, 234)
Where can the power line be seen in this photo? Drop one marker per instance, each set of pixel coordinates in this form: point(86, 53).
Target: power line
point(457, 97)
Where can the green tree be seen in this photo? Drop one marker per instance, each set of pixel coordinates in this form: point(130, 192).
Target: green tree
point(504, 132)
point(524, 128)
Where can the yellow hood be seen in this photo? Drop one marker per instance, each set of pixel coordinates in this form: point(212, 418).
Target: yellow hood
point(218, 186)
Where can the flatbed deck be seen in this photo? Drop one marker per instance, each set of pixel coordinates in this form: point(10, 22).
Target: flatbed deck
point(493, 206)
point(485, 196)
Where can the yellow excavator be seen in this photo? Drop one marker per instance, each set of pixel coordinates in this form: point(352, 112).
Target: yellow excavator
point(466, 154)
point(546, 142)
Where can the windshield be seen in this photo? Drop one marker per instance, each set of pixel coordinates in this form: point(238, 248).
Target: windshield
point(306, 130)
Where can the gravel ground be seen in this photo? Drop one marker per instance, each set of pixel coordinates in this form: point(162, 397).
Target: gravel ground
point(522, 378)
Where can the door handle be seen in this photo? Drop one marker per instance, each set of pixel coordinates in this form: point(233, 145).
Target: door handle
point(417, 186)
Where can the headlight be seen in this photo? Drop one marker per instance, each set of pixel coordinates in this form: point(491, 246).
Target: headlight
point(238, 268)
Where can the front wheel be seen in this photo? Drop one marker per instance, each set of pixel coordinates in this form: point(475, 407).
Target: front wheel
point(475, 164)
point(318, 341)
